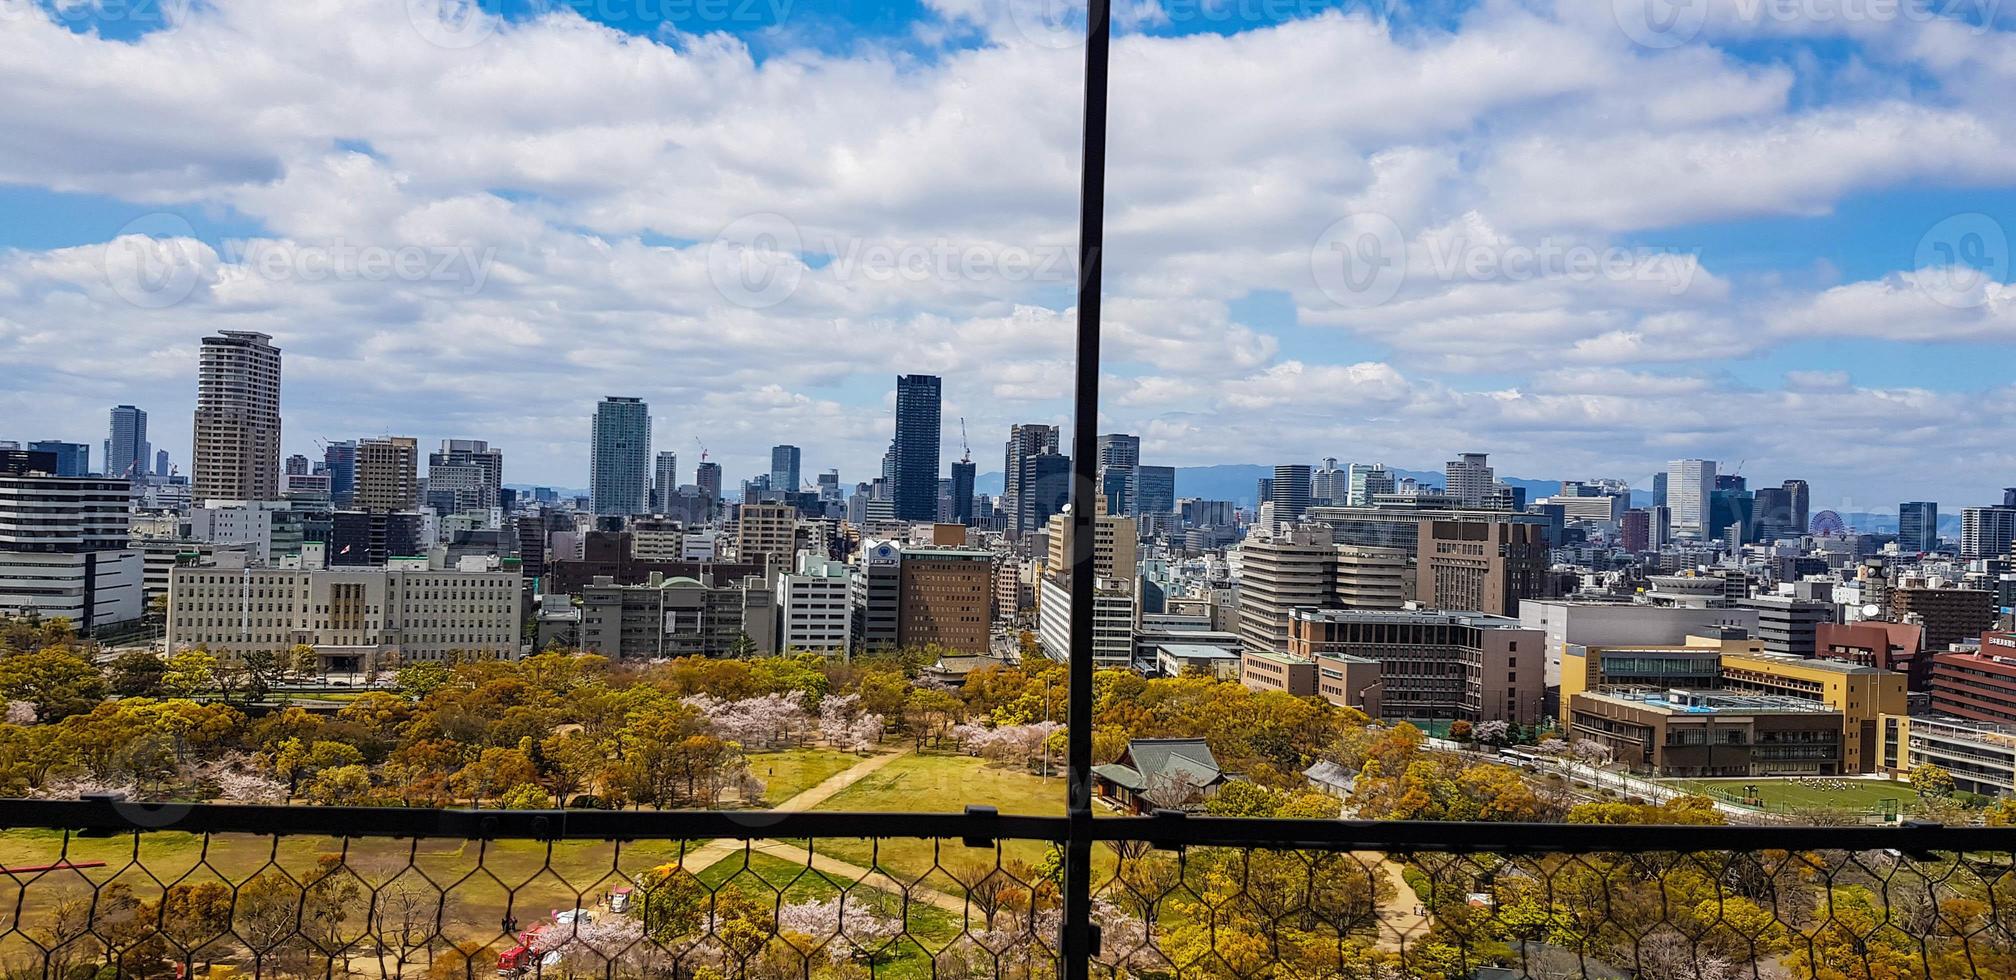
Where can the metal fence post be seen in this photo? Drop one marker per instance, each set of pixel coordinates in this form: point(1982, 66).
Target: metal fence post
point(1079, 940)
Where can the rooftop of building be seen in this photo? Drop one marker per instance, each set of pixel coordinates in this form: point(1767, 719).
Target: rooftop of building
point(1685, 702)
point(1414, 617)
point(1196, 651)
point(1806, 663)
point(1274, 656)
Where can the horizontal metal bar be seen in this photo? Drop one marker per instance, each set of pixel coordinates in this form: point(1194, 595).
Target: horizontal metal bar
point(338, 821)
point(1422, 835)
point(1167, 831)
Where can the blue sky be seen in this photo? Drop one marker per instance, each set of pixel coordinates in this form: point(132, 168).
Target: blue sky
point(754, 214)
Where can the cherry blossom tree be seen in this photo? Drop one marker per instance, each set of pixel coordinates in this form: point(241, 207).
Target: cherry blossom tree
point(856, 929)
point(759, 724)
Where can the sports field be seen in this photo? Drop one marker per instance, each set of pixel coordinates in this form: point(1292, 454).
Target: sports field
point(1799, 794)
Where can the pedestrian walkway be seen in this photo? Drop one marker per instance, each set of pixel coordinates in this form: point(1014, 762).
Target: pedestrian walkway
point(714, 852)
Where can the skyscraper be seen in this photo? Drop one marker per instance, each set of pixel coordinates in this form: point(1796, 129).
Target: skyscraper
point(340, 459)
point(1290, 493)
point(784, 469)
point(962, 491)
point(237, 452)
point(619, 467)
point(1659, 490)
point(1024, 441)
point(1987, 532)
point(388, 474)
point(1468, 478)
point(1688, 485)
point(72, 458)
point(1774, 514)
point(470, 470)
point(708, 476)
point(1154, 490)
point(1330, 484)
point(1802, 499)
point(1367, 482)
point(664, 480)
point(126, 443)
point(915, 451)
point(1918, 526)
point(161, 467)
point(1119, 449)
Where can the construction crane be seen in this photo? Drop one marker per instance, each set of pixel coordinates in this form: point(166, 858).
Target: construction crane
point(965, 451)
point(703, 448)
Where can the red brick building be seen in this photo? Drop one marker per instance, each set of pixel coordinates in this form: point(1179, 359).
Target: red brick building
point(1874, 643)
point(1978, 686)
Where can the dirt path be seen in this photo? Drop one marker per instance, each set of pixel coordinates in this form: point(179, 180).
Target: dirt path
point(714, 852)
point(1399, 924)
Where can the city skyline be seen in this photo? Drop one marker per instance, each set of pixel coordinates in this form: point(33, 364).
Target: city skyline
point(1803, 286)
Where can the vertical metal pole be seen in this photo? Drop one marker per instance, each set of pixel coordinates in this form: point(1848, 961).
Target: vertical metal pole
point(1078, 939)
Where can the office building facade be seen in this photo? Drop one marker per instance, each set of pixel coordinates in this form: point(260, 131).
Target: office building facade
point(619, 458)
point(237, 445)
point(64, 549)
point(915, 451)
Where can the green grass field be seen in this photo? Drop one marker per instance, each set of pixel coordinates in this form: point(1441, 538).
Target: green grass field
point(1783, 794)
point(942, 784)
point(787, 774)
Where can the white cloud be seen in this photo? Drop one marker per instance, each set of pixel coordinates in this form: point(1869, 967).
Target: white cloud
point(584, 173)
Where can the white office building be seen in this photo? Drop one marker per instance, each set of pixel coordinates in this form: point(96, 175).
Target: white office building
point(63, 546)
point(353, 617)
point(813, 610)
point(1689, 484)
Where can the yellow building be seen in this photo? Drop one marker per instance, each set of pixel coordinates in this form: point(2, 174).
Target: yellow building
point(1861, 694)
point(1693, 665)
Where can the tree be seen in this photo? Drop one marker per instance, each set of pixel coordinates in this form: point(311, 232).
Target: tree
point(339, 786)
point(493, 772)
point(188, 673)
point(137, 674)
point(57, 682)
point(1930, 780)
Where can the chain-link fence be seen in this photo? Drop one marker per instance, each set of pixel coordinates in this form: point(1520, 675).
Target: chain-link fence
point(100, 889)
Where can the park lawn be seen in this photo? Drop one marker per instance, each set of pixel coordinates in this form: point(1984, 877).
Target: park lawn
point(789, 773)
point(483, 880)
point(1784, 794)
point(942, 783)
point(946, 783)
